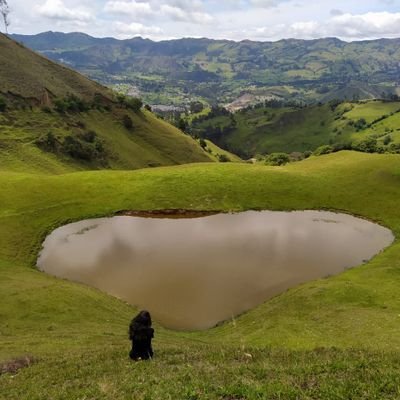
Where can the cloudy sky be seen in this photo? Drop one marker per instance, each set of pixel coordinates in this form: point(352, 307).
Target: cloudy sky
point(227, 19)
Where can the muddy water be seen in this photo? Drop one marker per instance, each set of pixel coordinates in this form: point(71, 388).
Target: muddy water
point(193, 273)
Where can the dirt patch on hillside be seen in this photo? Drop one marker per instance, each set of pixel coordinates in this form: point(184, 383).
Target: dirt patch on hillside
point(172, 213)
point(13, 366)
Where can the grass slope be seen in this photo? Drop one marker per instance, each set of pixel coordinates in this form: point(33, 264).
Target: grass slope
point(26, 74)
point(151, 142)
point(78, 334)
point(268, 130)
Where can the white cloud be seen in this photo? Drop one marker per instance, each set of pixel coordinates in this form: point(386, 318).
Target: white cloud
point(345, 26)
point(224, 19)
point(56, 9)
point(264, 3)
point(175, 10)
point(133, 8)
point(136, 29)
point(195, 5)
point(179, 14)
point(304, 29)
point(369, 25)
point(268, 3)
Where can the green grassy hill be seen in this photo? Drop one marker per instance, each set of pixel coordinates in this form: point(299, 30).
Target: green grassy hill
point(25, 74)
point(332, 338)
point(288, 129)
point(53, 119)
point(151, 142)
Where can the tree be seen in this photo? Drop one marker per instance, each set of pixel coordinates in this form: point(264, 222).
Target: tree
point(131, 103)
point(127, 121)
point(196, 107)
point(368, 145)
point(182, 125)
point(203, 143)
point(322, 150)
point(223, 158)
point(5, 11)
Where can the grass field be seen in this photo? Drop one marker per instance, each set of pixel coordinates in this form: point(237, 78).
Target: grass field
point(336, 338)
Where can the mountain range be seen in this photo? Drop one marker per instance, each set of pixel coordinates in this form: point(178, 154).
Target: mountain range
point(221, 71)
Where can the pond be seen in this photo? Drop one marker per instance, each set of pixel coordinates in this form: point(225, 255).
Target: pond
point(193, 273)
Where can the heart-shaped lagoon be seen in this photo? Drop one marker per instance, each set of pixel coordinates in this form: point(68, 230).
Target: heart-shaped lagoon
point(193, 273)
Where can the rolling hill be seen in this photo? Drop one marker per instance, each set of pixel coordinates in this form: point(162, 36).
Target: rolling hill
point(268, 129)
point(220, 71)
point(332, 338)
point(56, 120)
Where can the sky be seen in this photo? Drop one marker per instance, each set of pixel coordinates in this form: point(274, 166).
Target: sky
point(263, 20)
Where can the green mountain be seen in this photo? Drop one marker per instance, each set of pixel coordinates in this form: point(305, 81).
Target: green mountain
point(54, 119)
point(276, 127)
point(220, 71)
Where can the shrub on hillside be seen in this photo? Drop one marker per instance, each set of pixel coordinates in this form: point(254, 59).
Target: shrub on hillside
point(203, 143)
point(89, 136)
point(127, 122)
point(307, 154)
point(387, 140)
point(46, 109)
point(100, 102)
point(326, 149)
point(131, 103)
point(276, 159)
point(394, 148)
point(223, 158)
point(333, 104)
point(48, 142)
point(182, 125)
point(76, 149)
point(360, 124)
point(71, 103)
point(84, 147)
point(3, 105)
point(196, 107)
point(342, 146)
point(368, 145)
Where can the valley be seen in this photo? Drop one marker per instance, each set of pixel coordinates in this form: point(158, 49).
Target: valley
point(370, 126)
point(176, 72)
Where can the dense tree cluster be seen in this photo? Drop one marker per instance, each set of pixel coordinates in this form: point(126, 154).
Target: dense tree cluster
point(85, 146)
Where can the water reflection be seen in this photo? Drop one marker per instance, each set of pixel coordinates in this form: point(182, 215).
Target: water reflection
point(193, 273)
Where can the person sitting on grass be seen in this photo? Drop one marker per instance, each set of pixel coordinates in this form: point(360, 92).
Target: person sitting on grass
point(141, 333)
